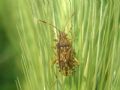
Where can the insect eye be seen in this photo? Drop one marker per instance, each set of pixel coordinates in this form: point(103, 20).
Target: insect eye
point(61, 47)
point(67, 47)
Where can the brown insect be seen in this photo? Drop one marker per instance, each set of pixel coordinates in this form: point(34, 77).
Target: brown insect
point(65, 53)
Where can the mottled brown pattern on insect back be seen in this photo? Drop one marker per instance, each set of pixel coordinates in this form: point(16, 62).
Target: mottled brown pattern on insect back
point(65, 55)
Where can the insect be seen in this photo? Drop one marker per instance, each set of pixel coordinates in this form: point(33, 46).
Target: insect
point(65, 55)
point(66, 60)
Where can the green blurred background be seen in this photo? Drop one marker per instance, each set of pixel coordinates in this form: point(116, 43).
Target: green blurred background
point(9, 53)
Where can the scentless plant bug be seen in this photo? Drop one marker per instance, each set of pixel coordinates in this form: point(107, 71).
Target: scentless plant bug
point(65, 53)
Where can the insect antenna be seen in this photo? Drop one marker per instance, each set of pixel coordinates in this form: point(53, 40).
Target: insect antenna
point(68, 20)
point(50, 25)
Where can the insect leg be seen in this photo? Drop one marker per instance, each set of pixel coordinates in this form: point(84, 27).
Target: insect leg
point(77, 62)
